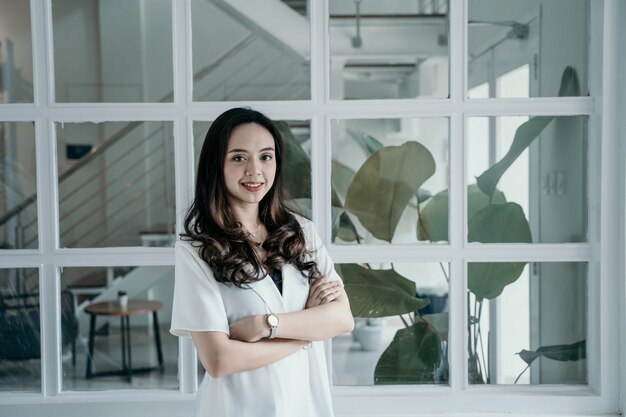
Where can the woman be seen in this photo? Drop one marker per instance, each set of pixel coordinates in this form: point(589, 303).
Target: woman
point(255, 287)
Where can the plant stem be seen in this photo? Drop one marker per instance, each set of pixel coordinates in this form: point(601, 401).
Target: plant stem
point(482, 354)
point(469, 326)
point(478, 309)
point(445, 273)
point(521, 373)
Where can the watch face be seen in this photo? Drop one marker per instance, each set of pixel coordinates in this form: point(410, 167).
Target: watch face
point(272, 320)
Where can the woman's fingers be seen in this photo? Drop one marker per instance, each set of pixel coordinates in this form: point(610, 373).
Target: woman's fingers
point(331, 294)
point(319, 288)
point(327, 292)
point(323, 291)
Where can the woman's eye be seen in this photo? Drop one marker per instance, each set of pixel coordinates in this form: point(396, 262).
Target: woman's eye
point(238, 158)
point(266, 157)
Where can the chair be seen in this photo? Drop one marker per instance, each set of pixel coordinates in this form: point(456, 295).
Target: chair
point(20, 327)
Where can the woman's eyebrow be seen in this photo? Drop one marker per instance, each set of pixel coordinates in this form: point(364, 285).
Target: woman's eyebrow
point(234, 150)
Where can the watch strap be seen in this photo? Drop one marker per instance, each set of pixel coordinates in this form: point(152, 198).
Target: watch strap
point(272, 332)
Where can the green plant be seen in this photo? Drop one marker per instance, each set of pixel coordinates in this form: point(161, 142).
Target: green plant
point(377, 194)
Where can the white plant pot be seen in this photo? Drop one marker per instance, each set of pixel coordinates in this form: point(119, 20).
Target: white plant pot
point(369, 336)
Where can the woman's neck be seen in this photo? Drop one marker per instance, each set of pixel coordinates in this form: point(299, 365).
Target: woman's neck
point(247, 216)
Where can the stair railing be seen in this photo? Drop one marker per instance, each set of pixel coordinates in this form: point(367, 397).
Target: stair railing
point(22, 228)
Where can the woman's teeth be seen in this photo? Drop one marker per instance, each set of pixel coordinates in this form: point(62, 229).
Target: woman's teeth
point(251, 185)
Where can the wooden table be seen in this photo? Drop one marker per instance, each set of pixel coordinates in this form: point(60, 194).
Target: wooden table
point(114, 309)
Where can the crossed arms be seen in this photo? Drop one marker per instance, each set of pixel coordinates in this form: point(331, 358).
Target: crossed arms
point(327, 314)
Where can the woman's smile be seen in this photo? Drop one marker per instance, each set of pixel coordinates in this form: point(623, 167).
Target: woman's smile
point(252, 187)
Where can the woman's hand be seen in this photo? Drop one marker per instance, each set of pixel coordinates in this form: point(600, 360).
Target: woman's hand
point(250, 329)
point(323, 291)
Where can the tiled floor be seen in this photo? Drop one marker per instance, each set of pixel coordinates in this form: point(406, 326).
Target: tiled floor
point(26, 375)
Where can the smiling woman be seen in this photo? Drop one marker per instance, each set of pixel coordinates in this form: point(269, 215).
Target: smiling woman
point(255, 288)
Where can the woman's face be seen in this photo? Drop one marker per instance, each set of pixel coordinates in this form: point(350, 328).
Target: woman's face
point(249, 165)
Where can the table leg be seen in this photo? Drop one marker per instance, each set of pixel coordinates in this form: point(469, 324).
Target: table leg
point(157, 339)
point(92, 335)
point(123, 350)
point(130, 363)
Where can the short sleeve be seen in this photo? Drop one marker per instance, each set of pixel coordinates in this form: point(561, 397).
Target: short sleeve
point(314, 243)
point(197, 304)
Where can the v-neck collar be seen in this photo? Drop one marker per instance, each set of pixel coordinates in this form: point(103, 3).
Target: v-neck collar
point(267, 290)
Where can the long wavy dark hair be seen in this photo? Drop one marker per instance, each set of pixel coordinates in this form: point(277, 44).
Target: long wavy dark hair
point(223, 243)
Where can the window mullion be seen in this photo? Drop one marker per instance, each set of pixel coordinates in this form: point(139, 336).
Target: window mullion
point(41, 18)
point(456, 222)
point(320, 153)
point(319, 61)
point(184, 158)
point(603, 305)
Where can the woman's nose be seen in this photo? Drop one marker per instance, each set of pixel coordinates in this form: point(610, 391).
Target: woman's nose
point(252, 168)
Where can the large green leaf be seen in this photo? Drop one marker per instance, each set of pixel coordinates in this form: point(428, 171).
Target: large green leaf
point(341, 178)
point(477, 200)
point(488, 279)
point(496, 223)
point(368, 143)
point(385, 183)
point(412, 357)
point(433, 222)
point(346, 230)
point(297, 175)
point(439, 322)
point(562, 353)
point(379, 292)
point(525, 135)
point(499, 223)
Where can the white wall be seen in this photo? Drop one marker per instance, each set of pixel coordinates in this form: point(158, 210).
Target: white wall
point(76, 50)
point(562, 307)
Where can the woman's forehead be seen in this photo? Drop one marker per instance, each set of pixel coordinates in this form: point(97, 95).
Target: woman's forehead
point(250, 137)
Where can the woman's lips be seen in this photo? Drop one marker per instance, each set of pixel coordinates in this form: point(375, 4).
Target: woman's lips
point(252, 186)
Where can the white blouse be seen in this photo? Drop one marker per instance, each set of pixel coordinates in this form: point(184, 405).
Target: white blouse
point(295, 386)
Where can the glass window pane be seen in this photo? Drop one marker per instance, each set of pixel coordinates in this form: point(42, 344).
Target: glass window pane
point(18, 191)
point(536, 39)
point(544, 188)
point(112, 51)
point(391, 343)
point(390, 180)
point(242, 54)
point(16, 52)
point(20, 350)
point(388, 49)
point(116, 184)
point(97, 319)
point(527, 323)
point(297, 169)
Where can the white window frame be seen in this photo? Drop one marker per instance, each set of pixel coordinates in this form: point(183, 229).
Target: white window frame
point(604, 252)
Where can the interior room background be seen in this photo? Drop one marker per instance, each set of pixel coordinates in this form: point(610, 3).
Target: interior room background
point(463, 160)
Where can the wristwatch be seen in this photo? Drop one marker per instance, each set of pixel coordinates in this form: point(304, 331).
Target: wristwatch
point(272, 321)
